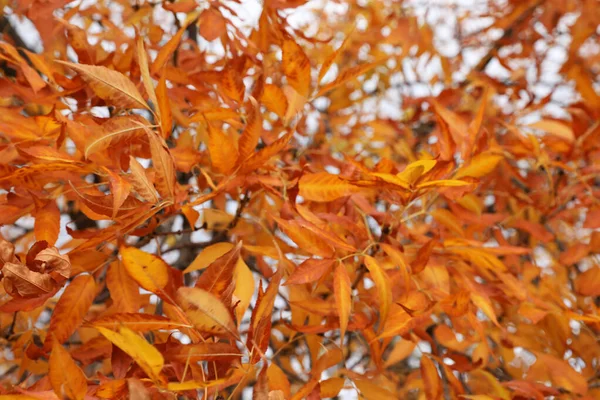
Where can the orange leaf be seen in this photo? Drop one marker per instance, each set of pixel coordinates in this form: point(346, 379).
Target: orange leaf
point(423, 254)
point(274, 99)
point(222, 150)
point(142, 58)
point(562, 374)
point(432, 383)
point(138, 322)
point(260, 322)
point(343, 297)
point(218, 277)
point(66, 378)
point(164, 107)
point(310, 271)
point(124, 291)
point(384, 290)
point(70, 309)
point(347, 75)
point(163, 164)
point(324, 187)
point(304, 238)
point(110, 85)
point(139, 181)
point(251, 134)
point(296, 66)
point(47, 222)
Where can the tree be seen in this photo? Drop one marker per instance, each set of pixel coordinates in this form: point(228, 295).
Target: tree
point(375, 199)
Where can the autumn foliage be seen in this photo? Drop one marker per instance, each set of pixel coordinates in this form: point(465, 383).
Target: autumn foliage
point(335, 200)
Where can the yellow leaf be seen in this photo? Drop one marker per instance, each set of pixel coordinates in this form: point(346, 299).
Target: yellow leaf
point(148, 270)
point(244, 288)
point(110, 85)
point(343, 296)
point(481, 165)
point(206, 311)
point(208, 255)
point(66, 378)
point(143, 353)
point(415, 170)
point(485, 305)
point(384, 290)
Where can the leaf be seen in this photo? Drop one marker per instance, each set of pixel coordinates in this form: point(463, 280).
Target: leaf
point(296, 66)
point(347, 75)
point(47, 222)
point(144, 354)
point(251, 134)
point(259, 158)
point(384, 290)
point(166, 51)
point(139, 181)
point(244, 288)
point(342, 291)
point(115, 131)
point(142, 58)
point(331, 59)
point(148, 270)
point(137, 322)
point(562, 374)
point(324, 187)
point(423, 254)
point(164, 107)
point(310, 271)
point(70, 309)
point(223, 154)
point(304, 238)
point(274, 99)
point(218, 278)
point(372, 391)
point(261, 321)
point(66, 378)
point(120, 189)
point(555, 128)
point(124, 291)
point(432, 382)
point(481, 165)
point(208, 256)
point(110, 85)
point(206, 311)
point(164, 165)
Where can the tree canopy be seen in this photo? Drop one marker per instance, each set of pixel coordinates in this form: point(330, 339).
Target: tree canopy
point(293, 199)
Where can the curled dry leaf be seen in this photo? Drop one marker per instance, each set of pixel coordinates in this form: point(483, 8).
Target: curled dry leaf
point(44, 273)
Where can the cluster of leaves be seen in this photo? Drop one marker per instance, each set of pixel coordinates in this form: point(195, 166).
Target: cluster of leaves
point(194, 209)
